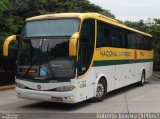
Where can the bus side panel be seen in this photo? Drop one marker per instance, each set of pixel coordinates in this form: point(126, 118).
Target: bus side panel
point(150, 70)
point(147, 66)
point(123, 75)
point(109, 72)
point(127, 74)
point(85, 85)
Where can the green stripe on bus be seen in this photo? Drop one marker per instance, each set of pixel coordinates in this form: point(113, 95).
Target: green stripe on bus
point(118, 62)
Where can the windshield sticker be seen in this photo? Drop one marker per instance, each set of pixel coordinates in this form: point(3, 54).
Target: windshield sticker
point(43, 72)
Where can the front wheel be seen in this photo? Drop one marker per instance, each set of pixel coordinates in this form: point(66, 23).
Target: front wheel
point(101, 91)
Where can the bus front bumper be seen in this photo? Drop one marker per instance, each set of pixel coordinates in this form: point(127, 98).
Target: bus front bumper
point(52, 96)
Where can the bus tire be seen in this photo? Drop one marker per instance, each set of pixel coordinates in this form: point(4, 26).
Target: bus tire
point(143, 79)
point(101, 91)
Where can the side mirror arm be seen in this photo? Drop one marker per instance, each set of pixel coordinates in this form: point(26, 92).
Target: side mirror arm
point(73, 44)
point(6, 44)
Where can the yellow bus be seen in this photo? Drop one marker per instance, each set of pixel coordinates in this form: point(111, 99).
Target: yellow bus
point(72, 57)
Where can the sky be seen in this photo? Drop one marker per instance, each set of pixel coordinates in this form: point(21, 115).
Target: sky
point(133, 10)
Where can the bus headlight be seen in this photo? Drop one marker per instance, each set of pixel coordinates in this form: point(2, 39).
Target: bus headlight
point(20, 85)
point(65, 88)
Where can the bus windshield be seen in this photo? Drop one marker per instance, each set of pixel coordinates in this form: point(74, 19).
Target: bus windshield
point(50, 54)
point(51, 28)
point(45, 45)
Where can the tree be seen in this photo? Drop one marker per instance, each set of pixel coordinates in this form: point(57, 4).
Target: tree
point(5, 5)
point(28, 8)
point(16, 11)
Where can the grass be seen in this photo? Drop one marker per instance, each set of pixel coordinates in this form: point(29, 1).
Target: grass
point(157, 73)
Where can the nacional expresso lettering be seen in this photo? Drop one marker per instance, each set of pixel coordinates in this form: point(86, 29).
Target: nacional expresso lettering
point(109, 53)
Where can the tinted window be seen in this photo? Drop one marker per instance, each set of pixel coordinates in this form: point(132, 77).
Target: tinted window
point(103, 35)
point(138, 41)
point(131, 40)
point(148, 43)
point(86, 46)
point(55, 27)
point(123, 38)
point(115, 41)
point(111, 36)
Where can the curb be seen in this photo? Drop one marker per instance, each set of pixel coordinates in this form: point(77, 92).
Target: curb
point(156, 75)
point(7, 87)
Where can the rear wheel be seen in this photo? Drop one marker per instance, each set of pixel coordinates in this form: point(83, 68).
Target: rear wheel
point(143, 79)
point(101, 91)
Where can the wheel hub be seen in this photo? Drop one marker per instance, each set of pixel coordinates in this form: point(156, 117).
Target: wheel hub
point(100, 90)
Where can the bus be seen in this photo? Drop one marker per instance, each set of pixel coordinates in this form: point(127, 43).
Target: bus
point(72, 57)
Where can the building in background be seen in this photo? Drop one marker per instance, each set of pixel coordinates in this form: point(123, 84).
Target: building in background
point(149, 22)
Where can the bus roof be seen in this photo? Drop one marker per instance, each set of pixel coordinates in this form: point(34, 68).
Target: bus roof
point(86, 15)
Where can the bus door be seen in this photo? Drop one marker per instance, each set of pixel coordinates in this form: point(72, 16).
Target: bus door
point(86, 46)
point(86, 49)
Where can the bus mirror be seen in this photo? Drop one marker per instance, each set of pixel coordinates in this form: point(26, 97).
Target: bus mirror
point(6, 44)
point(73, 44)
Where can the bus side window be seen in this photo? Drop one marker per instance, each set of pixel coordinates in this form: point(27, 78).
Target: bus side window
point(103, 35)
point(111, 36)
point(149, 44)
point(131, 40)
point(123, 39)
point(114, 37)
point(137, 42)
point(141, 43)
point(118, 37)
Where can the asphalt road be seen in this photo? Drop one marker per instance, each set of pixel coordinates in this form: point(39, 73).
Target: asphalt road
point(131, 99)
